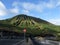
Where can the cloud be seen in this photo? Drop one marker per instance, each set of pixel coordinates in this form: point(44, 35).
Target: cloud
point(58, 3)
point(26, 7)
point(14, 10)
point(39, 7)
point(2, 9)
point(55, 21)
point(32, 6)
point(25, 11)
point(54, 3)
point(2, 13)
point(49, 5)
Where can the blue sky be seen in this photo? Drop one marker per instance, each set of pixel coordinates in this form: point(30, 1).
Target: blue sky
point(48, 10)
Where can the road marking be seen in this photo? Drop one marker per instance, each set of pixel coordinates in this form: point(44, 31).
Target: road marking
point(18, 42)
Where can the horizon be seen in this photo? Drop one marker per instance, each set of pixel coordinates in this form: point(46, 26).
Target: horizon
point(48, 10)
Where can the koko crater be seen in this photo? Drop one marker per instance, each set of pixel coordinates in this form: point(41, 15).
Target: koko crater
point(34, 26)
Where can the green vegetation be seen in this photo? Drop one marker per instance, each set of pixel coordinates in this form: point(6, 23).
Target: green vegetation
point(34, 26)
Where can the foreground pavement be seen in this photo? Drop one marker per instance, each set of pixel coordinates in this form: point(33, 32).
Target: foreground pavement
point(30, 41)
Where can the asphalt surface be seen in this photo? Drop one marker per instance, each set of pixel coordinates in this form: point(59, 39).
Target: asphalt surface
point(29, 41)
point(44, 42)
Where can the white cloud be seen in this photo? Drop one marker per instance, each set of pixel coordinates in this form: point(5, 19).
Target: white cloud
point(58, 3)
point(2, 12)
point(28, 6)
point(14, 10)
point(25, 11)
point(2, 5)
point(50, 5)
point(32, 6)
point(39, 7)
point(54, 3)
point(2, 9)
point(55, 21)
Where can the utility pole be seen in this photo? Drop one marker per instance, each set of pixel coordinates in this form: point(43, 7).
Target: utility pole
point(24, 36)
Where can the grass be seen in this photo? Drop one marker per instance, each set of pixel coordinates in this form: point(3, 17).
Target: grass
point(34, 26)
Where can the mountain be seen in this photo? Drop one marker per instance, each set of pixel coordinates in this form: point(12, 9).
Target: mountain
point(24, 20)
point(33, 25)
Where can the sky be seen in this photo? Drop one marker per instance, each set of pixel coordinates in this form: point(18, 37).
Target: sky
point(48, 10)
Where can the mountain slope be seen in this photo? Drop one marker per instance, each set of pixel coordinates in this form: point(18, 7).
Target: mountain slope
point(24, 20)
point(34, 26)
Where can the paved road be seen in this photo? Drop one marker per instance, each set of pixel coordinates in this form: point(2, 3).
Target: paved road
point(15, 42)
point(31, 41)
point(44, 42)
point(9, 41)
